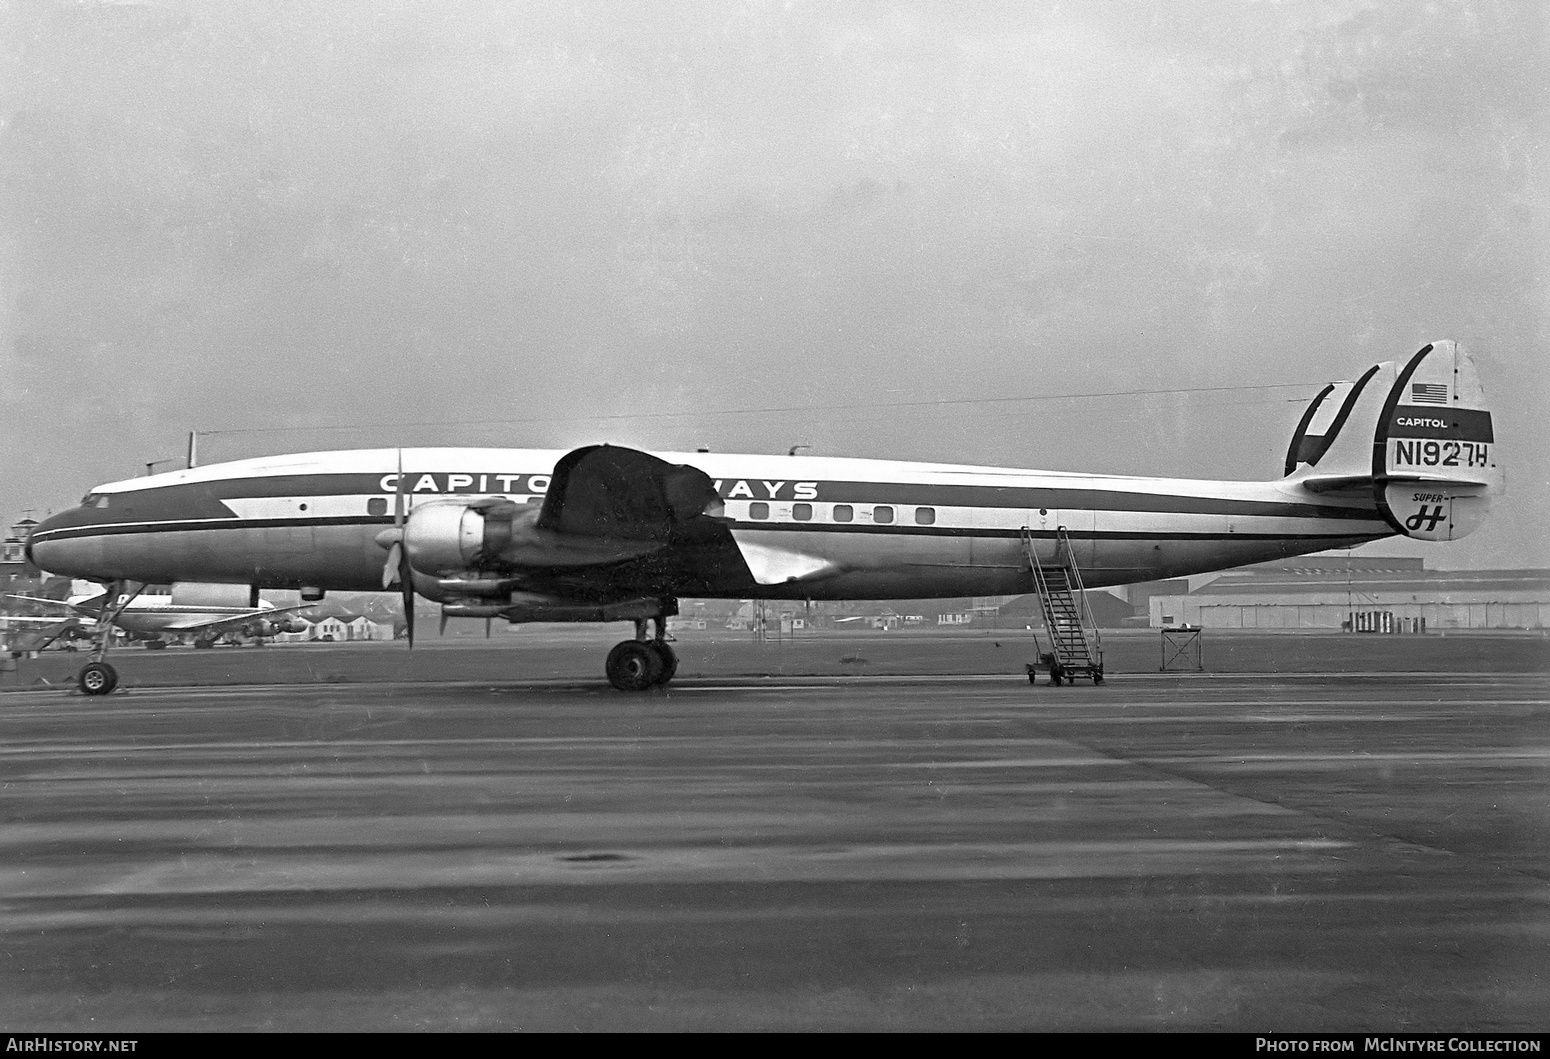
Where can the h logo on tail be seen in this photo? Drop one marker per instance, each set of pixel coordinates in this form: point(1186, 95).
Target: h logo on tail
point(1429, 516)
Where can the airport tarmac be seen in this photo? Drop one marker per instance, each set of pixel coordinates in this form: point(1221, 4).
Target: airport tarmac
point(1258, 852)
point(576, 653)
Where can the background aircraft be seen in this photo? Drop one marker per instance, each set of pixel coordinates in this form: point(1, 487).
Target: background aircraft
point(605, 533)
point(156, 616)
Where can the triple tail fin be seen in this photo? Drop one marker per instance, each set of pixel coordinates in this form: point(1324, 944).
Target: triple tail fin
point(1417, 439)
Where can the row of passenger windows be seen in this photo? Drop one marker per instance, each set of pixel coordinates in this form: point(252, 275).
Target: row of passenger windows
point(882, 514)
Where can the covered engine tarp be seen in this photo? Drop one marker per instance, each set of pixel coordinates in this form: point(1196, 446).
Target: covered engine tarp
point(623, 493)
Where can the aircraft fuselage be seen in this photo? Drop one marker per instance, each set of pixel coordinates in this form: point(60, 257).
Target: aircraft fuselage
point(886, 529)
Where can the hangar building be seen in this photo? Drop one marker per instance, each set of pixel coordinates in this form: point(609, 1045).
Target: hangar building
point(1360, 594)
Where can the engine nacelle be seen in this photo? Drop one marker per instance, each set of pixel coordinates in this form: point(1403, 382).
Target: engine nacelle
point(448, 538)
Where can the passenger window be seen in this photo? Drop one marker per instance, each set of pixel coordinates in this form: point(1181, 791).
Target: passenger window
point(925, 516)
point(802, 512)
point(882, 514)
point(377, 505)
point(758, 509)
point(844, 512)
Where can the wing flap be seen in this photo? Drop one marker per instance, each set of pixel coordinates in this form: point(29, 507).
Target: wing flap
point(773, 565)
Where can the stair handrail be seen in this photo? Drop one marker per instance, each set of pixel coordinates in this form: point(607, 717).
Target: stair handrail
point(1074, 574)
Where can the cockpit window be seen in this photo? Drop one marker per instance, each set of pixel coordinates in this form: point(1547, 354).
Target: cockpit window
point(94, 500)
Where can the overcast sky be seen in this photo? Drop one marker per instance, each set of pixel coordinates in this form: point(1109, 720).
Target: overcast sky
point(554, 223)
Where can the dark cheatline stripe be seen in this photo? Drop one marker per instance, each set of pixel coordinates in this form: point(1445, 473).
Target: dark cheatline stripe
point(800, 527)
point(233, 523)
point(1038, 534)
point(162, 503)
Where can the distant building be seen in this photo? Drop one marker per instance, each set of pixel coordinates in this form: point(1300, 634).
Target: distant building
point(1361, 594)
point(1108, 610)
point(16, 573)
point(338, 628)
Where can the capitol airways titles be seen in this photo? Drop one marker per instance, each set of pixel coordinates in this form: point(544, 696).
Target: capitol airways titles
point(534, 484)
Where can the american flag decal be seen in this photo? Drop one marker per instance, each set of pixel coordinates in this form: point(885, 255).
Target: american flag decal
point(1429, 392)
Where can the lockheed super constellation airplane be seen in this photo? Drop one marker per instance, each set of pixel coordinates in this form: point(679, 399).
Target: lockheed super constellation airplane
point(613, 534)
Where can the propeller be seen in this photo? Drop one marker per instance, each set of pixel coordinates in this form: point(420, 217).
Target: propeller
point(397, 567)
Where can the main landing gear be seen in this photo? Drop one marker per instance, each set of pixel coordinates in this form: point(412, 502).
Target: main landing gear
point(644, 662)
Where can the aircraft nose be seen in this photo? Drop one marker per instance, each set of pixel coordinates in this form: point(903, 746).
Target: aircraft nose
point(50, 546)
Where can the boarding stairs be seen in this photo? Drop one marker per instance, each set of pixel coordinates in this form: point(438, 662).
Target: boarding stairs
point(1076, 646)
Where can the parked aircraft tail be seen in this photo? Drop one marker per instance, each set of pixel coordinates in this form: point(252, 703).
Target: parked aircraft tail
point(1416, 438)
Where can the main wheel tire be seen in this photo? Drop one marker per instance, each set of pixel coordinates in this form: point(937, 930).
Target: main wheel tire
point(97, 678)
point(634, 665)
point(669, 661)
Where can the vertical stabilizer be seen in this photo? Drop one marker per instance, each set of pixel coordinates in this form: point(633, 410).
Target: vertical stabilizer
point(1434, 453)
point(1417, 438)
point(1339, 438)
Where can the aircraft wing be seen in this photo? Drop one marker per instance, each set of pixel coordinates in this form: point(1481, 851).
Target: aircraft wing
point(615, 523)
point(73, 608)
point(625, 495)
point(234, 621)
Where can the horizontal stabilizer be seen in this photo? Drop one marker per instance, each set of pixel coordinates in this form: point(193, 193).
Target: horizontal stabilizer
point(1363, 483)
point(771, 565)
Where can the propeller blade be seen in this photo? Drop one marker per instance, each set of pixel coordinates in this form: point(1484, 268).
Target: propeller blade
point(398, 556)
point(398, 493)
point(406, 583)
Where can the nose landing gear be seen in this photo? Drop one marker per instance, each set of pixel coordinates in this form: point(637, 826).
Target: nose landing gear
point(97, 677)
